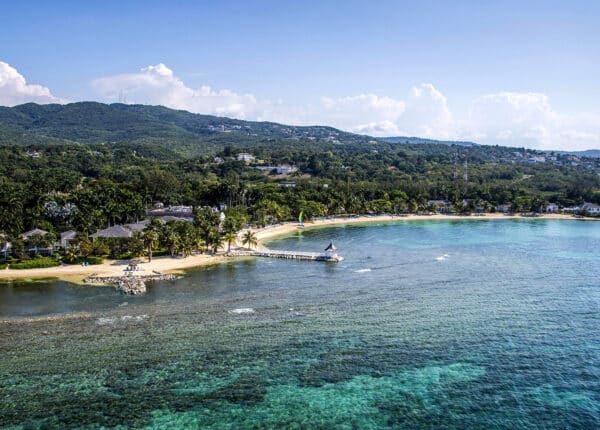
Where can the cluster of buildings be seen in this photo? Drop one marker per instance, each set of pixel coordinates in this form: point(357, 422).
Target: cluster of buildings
point(553, 158)
point(584, 208)
point(444, 206)
point(589, 209)
point(119, 231)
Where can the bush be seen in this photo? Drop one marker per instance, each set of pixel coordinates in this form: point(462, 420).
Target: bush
point(121, 256)
point(92, 260)
point(2, 266)
point(36, 263)
point(160, 253)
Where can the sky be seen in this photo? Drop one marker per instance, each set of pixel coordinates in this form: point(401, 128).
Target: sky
point(507, 72)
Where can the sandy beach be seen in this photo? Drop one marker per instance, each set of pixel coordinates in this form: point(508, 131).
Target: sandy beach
point(272, 232)
point(76, 273)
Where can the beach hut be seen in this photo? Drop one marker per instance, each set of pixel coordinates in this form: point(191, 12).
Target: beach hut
point(331, 247)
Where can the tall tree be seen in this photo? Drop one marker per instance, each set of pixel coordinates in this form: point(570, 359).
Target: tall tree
point(230, 237)
point(249, 239)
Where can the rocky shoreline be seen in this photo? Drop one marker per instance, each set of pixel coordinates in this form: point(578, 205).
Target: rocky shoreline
point(130, 283)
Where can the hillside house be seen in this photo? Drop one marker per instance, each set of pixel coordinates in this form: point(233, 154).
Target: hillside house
point(245, 157)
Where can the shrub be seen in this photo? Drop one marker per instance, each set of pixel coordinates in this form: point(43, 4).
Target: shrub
point(92, 260)
point(121, 256)
point(160, 253)
point(36, 263)
point(2, 266)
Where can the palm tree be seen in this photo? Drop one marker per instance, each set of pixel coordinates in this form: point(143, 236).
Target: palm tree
point(216, 241)
point(249, 238)
point(173, 241)
point(199, 243)
point(151, 238)
point(186, 247)
point(229, 238)
point(71, 254)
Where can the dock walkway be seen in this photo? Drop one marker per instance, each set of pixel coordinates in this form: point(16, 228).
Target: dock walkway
point(288, 255)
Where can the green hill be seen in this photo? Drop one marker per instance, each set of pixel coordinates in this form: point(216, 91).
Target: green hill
point(185, 132)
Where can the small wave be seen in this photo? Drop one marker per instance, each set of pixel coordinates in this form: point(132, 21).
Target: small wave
point(123, 319)
point(126, 318)
point(362, 270)
point(105, 321)
point(242, 311)
point(441, 258)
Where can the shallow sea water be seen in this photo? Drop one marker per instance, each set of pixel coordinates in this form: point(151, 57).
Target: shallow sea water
point(426, 324)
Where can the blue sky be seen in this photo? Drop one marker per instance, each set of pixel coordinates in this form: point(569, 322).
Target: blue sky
point(497, 72)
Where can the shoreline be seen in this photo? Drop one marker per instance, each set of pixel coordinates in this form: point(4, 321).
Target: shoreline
point(77, 273)
point(272, 232)
point(178, 265)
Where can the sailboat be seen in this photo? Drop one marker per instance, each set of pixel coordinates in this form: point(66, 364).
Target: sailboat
point(300, 223)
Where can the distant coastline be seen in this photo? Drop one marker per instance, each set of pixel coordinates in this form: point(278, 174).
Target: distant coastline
point(76, 273)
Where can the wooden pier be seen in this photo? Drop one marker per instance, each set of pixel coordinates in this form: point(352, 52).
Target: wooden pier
point(289, 255)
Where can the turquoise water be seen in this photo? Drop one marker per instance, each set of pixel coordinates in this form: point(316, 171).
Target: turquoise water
point(427, 324)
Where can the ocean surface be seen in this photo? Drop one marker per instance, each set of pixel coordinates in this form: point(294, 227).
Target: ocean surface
point(478, 324)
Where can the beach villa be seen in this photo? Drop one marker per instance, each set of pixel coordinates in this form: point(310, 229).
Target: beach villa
point(590, 209)
point(586, 208)
point(504, 208)
point(245, 157)
point(440, 206)
point(66, 237)
point(116, 232)
point(35, 232)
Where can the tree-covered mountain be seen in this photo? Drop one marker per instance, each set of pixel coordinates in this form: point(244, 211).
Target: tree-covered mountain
point(182, 131)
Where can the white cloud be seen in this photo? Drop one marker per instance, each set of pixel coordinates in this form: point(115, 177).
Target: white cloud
point(424, 113)
point(375, 114)
point(14, 90)
point(528, 119)
point(427, 114)
point(159, 85)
